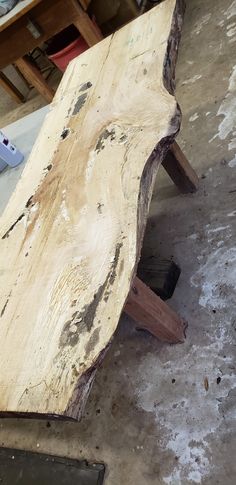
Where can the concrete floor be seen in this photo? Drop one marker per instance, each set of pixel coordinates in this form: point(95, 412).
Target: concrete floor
point(149, 416)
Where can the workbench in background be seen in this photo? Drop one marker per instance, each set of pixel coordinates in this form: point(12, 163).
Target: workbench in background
point(17, 38)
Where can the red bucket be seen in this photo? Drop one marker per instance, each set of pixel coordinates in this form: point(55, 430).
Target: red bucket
point(72, 50)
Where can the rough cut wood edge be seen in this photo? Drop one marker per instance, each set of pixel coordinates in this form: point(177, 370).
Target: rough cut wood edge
point(161, 150)
point(78, 399)
point(173, 46)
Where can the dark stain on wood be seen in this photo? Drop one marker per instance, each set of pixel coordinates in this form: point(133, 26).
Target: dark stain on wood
point(75, 372)
point(12, 226)
point(123, 138)
point(104, 135)
point(84, 319)
point(65, 133)
point(121, 268)
point(138, 55)
point(5, 306)
point(86, 86)
point(112, 274)
point(91, 344)
point(99, 207)
point(79, 103)
point(48, 168)
point(29, 202)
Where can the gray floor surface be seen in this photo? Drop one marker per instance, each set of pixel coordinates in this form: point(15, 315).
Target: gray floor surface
point(149, 416)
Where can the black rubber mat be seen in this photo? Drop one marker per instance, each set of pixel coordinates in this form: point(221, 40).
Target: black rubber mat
point(26, 468)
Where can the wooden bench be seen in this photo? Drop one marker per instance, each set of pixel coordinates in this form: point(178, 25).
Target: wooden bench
point(71, 235)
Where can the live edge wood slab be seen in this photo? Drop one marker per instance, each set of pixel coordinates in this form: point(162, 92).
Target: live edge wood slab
point(71, 235)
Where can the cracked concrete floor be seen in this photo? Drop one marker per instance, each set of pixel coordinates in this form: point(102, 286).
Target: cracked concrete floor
point(149, 416)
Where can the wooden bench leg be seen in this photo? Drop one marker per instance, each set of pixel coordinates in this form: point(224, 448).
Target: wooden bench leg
point(89, 31)
point(34, 76)
point(153, 314)
point(6, 84)
point(180, 170)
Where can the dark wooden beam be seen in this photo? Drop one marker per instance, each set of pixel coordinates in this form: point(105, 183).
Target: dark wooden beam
point(34, 77)
point(153, 314)
point(7, 85)
point(180, 170)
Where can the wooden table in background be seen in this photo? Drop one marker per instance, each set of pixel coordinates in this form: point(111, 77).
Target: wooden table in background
point(50, 16)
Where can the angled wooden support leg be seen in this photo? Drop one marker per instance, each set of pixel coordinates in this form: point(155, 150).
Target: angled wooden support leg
point(180, 170)
point(34, 76)
point(89, 31)
point(153, 314)
point(11, 89)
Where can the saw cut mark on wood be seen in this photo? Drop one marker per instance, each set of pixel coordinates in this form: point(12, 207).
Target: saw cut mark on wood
point(71, 235)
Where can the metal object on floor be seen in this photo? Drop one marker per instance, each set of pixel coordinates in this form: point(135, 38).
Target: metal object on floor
point(27, 468)
point(161, 275)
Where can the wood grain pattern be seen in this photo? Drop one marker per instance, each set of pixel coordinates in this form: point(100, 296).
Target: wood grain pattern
point(84, 3)
point(153, 314)
point(71, 235)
